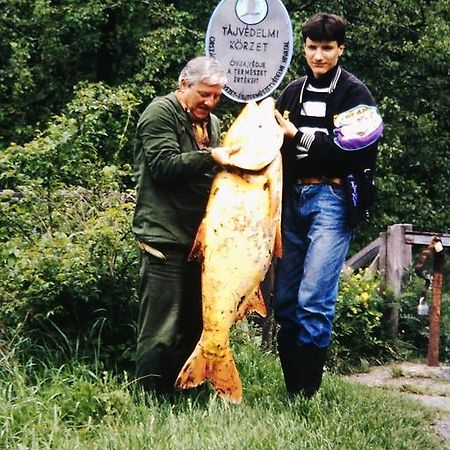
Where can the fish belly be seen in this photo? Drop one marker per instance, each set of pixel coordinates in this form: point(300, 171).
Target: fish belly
point(238, 244)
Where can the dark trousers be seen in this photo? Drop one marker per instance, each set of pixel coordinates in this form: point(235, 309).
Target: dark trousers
point(170, 318)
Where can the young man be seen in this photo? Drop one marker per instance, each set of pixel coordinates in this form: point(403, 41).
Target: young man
point(176, 152)
point(332, 126)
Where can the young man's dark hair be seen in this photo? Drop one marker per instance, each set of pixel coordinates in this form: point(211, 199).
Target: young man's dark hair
point(325, 27)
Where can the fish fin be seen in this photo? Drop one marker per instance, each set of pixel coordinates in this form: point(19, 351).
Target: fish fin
point(222, 373)
point(194, 372)
point(225, 379)
point(278, 244)
point(196, 253)
point(253, 303)
point(274, 174)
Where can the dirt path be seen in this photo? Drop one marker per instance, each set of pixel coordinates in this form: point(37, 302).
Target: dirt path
point(429, 385)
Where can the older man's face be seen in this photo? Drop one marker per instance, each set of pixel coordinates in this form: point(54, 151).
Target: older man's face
point(200, 98)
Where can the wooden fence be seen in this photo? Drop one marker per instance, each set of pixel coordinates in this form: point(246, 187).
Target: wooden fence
point(391, 254)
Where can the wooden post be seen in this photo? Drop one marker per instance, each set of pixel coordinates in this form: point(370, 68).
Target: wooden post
point(435, 314)
point(382, 258)
point(398, 257)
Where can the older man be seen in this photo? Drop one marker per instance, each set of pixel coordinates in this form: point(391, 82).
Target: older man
point(176, 152)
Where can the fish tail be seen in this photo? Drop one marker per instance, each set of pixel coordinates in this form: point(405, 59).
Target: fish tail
point(222, 373)
point(194, 372)
point(225, 378)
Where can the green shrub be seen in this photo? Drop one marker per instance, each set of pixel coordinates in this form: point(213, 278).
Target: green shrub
point(358, 329)
point(68, 261)
point(71, 282)
point(86, 145)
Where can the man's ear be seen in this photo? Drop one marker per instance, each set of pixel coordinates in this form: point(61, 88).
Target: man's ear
point(183, 84)
point(341, 49)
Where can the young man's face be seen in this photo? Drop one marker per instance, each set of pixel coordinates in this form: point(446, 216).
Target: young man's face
point(200, 98)
point(322, 56)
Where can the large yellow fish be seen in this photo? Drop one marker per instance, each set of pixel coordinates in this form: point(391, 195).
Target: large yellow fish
point(235, 243)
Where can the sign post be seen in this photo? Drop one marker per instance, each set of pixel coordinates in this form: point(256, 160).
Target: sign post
point(254, 42)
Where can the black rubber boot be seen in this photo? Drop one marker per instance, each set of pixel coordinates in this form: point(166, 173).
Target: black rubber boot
point(292, 370)
point(302, 368)
point(313, 361)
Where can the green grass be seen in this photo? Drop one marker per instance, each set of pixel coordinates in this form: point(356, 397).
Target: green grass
point(75, 407)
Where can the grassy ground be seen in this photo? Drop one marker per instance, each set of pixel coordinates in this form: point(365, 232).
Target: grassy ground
point(77, 407)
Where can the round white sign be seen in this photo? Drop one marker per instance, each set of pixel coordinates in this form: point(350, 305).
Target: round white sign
point(253, 40)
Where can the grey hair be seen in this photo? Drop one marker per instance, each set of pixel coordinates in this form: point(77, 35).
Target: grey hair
point(203, 69)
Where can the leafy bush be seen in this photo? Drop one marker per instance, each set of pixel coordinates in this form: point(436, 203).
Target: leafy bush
point(358, 329)
point(70, 279)
point(68, 259)
point(84, 146)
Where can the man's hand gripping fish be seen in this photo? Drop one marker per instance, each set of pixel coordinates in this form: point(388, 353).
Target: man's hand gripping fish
point(235, 243)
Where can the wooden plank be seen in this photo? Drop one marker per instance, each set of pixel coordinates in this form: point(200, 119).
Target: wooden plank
point(364, 256)
point(398, 256)
point(424, 237)
point(382, 255)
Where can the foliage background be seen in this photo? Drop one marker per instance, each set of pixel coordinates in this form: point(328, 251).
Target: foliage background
point(74, 77)
point(400, 49)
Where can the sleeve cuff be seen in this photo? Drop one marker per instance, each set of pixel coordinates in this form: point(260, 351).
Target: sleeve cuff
point(303, 141)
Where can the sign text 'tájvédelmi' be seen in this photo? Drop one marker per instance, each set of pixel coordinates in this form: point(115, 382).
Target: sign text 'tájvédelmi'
point(253, 41)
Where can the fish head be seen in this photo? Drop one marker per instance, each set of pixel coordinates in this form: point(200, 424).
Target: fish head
point(258, 135)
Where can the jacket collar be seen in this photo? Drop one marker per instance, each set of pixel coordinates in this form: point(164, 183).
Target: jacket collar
point(330, 80)
point(327, 80)
point(183, 115)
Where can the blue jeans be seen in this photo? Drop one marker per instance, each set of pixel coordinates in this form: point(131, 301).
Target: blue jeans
point(316, 237)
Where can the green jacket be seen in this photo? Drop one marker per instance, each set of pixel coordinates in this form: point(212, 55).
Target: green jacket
point(173, 176)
